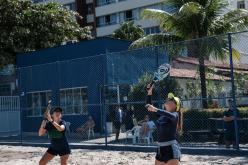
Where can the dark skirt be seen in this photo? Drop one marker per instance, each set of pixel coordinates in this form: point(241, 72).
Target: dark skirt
point(61, 151)
point(166, 153)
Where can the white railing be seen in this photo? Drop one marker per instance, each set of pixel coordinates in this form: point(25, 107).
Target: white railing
point(9, 116)
point(9, 103)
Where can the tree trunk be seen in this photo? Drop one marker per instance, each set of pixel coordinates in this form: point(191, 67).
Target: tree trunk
point(203, 81)
point(195, 51)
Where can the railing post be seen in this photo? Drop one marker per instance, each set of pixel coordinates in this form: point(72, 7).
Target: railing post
point(103, 104)
point(233, 91)
point(21, 99)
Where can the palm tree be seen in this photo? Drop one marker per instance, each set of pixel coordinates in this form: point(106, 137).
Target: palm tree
point(129, 31)
point(194, 19)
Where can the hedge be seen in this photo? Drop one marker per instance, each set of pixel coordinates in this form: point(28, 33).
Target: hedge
point(211, 113)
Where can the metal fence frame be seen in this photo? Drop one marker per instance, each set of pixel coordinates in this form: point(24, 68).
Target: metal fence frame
point(103, 97)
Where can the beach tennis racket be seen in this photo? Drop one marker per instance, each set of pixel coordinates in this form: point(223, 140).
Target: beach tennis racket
point(48, 108)
point(162, 72)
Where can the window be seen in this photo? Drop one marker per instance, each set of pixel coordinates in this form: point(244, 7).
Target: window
point(37, 102)
point(5, 90)
point(71, 6)
point(241, 4)
point(105, 2)
point(100, 21)
point(152, 30)
point(90, 9)
point(74, 100)
point(128, 15)
point(107, 20)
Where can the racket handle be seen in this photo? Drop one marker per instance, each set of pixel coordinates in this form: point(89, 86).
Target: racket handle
point(151, 84)
point(147, 105)
point(48, 108)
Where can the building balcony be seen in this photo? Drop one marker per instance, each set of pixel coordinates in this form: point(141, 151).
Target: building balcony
point(108, 29)
point(123, 6)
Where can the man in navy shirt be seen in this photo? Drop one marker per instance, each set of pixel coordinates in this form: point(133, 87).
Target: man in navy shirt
point(228, 118)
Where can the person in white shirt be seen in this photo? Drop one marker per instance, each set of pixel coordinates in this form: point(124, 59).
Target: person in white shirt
point(146, 126)
point(118, 121)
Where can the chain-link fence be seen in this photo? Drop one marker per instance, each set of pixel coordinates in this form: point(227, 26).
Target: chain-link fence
point(103, 97)
point(240, 83)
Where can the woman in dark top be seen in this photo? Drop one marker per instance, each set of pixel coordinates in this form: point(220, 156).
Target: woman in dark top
point(55, 127)
point(168, 125)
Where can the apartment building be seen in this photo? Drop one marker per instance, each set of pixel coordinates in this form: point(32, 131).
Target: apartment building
point(111, 13)
point(105, 16)
point(238, 4)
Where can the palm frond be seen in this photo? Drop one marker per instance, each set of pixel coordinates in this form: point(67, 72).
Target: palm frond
point(174, 3)
point(238, 19)
point(190, 8)
point(236, 54)
point(170, 23)
point(235, 20)
point(156, 14)
point(195, 19)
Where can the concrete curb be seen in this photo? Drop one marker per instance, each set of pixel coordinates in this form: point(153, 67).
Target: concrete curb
point(116, 147)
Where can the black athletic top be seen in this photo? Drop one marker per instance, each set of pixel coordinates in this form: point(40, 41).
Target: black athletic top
point(58, 138)
point(166, 124)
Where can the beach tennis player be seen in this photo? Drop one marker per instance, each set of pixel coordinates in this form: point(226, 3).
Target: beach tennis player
point(168, 125)
point(55, 127)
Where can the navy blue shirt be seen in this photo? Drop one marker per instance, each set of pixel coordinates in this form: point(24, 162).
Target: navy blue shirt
point(229, 125)
point(166, 124)
point(58, 138)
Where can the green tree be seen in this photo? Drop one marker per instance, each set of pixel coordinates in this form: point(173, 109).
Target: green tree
point(129, 31)
point(25, 26)
point(241, 81)
point(193, 19)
